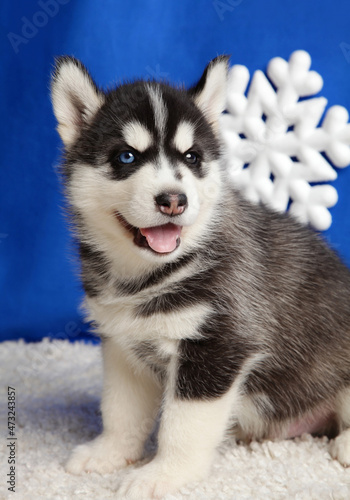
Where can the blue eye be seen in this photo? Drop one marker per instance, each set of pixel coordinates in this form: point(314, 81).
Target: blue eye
point(191, 157)
point(126, 157)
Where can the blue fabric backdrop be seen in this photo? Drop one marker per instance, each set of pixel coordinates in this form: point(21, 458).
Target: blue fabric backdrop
point(116, 39)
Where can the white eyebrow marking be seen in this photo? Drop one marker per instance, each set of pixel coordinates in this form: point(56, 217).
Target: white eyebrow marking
point(159, 108)
point(137, 136)
point(183, 138)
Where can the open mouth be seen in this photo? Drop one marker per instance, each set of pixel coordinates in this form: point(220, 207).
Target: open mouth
point(162, 239)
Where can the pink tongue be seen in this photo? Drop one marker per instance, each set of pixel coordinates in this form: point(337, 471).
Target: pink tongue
point(162, 239)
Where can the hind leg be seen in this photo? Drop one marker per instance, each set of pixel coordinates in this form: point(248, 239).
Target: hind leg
point(340, 447)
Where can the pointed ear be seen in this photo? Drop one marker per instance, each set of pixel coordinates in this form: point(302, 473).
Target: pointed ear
point(75, 97)
point(210, 92)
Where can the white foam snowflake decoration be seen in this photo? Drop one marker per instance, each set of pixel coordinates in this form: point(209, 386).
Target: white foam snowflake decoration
point(279, 152)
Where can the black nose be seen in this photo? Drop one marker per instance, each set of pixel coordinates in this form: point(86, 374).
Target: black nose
point(171, 204)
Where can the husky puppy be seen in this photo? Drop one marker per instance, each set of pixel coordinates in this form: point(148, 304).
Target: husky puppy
point(214, 313)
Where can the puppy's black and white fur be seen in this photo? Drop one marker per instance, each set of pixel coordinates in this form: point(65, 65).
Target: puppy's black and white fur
point(214, 313)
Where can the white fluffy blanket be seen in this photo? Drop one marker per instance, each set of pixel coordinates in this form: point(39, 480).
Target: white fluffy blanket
point(58, 387)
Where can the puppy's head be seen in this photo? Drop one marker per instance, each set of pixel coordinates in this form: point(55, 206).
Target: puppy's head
point(142, 160)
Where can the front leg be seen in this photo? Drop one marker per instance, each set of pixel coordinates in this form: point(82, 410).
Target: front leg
point(130, 402)
point(190, 430)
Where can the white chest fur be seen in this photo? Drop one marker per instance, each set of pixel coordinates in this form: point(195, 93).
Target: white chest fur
point(117, 317)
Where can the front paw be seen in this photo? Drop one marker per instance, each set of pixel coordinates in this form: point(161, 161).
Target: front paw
point(100, 455)
point(154, 481)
